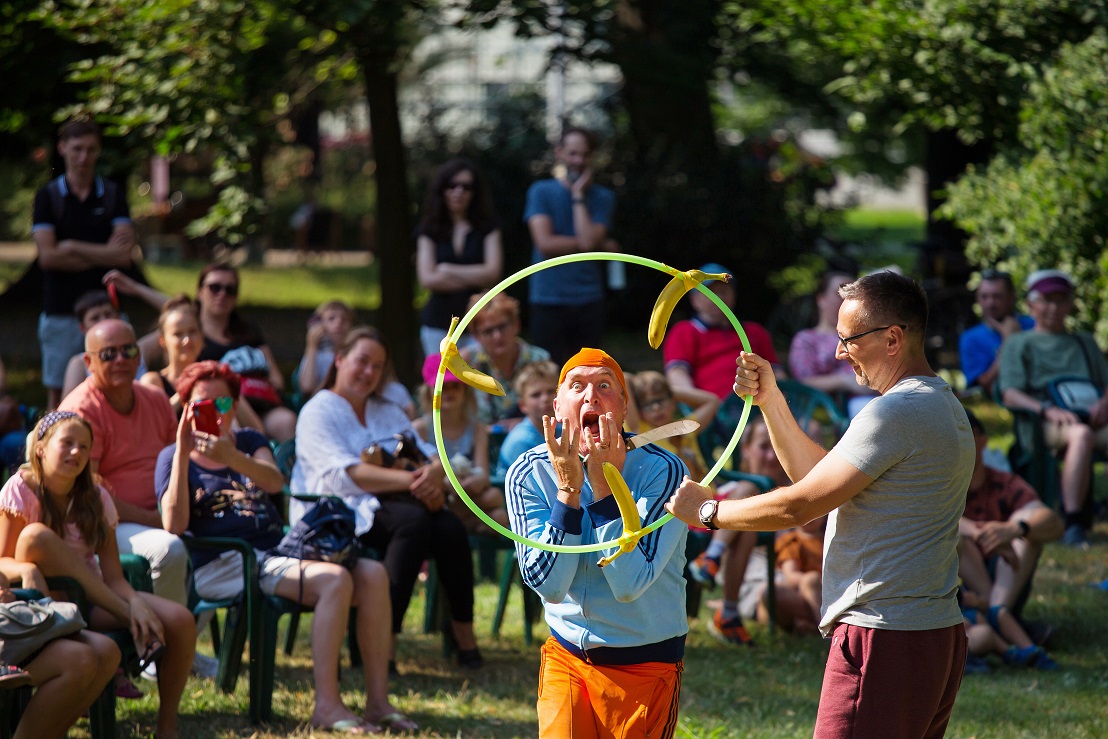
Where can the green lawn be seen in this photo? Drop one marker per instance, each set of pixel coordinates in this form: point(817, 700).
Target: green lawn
point(866, 225)
point(769, 691)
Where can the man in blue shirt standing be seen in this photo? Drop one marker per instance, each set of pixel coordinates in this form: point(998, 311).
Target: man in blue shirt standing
point(568, 214)
point(979, 347)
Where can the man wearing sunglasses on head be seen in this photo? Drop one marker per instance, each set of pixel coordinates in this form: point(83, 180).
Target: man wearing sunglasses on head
point(131, 424)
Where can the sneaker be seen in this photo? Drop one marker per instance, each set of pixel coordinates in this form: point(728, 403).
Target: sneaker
point(704, 570)
point(1075, 537)
point(976, 665)
point(205, 666)
point(730, 631)
point(1029, 657)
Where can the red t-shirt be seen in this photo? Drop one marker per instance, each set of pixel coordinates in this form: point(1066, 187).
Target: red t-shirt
point(1002, 495)
point(126, 446)
point(709, 352)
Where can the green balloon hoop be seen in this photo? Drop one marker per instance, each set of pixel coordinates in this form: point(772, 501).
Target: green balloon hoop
point(496, 290)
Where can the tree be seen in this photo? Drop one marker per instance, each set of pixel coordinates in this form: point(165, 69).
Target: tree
point(1044, 201)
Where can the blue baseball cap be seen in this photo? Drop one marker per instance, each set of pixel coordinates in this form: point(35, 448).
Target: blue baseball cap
point(715, 268)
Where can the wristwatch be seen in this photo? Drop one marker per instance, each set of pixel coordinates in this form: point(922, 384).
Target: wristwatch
point(708, 514)
point(1024, 528)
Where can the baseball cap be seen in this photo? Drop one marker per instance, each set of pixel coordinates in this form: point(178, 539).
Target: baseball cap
point(1046, 281)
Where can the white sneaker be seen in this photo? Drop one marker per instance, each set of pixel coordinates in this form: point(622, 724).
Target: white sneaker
point(204, 666)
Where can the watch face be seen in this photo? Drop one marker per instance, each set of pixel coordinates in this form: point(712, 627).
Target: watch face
point(708, 510)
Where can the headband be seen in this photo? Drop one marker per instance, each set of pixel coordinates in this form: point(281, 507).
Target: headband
point(593, 358)
point(52, 418)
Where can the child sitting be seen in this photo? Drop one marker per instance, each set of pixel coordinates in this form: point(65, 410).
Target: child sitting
point(326, 329)
point(994, 630)
point(466, 441)
point(799, 583)
point(91, 308)
point(535, 385)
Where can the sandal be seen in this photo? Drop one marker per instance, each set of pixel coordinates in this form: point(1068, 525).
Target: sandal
point(124, 688)
point(347, 726)
point(397, 722)
point(152, 654)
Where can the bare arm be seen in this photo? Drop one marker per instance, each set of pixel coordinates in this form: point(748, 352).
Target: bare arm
point(124, 284)
point(549, 243)
point(798, 453)
point(446, 276)
point(75, 374)
point(116, 252)
point(52, 256)
point(831, 483)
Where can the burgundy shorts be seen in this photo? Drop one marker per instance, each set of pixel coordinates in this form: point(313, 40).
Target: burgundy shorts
point(881, 683)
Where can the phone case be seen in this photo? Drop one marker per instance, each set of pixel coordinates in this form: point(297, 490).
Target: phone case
point(205, 417)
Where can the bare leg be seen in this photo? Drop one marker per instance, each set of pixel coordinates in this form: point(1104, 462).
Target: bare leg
point(971, 566)
point(40, 545)
point(374, 618)
point(735, 560)
point(1010, 582)
point(68, 674)
point(328, 588)
point(1075, 472)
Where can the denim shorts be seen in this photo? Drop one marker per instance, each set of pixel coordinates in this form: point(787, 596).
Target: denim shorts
point(60, 338)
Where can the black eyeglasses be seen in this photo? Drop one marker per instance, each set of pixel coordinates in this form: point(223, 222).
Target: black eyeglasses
point(490, 331)
point(844, 339)
point(463, 186)
point(109, 353)
point(216, 288)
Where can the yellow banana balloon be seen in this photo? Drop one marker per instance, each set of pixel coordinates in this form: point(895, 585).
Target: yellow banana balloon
point(454, 362)
point(671, 294)
point(632, 524)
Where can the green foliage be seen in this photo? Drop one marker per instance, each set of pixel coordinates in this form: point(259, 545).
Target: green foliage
point(1045, 202)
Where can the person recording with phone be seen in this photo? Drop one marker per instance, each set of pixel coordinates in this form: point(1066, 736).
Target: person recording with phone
point(568, 214)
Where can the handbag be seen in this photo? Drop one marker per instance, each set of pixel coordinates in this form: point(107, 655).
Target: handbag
point(399, 452)
point(324, 534)
point(1074, 394)
point(28, 625)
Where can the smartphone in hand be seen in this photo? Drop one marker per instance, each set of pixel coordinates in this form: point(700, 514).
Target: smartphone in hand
point(206, 417)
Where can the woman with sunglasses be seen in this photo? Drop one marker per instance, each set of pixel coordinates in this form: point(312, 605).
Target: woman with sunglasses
point(217, 484)
point(56, 520)
point(228, 337)
point(458, 249)
point(400, 511)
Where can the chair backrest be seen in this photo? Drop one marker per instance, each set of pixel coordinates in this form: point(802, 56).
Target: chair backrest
point(809, 404)
point(285, 456)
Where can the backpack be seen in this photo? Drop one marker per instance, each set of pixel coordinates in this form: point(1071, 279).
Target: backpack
point(324, 534)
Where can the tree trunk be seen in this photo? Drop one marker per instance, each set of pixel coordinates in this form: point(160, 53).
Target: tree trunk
point(395, 267)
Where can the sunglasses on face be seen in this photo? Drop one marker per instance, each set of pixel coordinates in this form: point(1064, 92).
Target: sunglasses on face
point(222, 404)
point(231, 289)
point(463, 186)
point(109, 353)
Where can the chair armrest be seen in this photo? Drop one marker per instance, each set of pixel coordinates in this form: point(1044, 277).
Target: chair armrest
point(222, 544)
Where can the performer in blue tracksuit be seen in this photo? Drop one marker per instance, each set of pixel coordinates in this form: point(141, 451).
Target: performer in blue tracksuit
point(613, 663)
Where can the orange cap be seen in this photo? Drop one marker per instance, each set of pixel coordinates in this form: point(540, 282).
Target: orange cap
point(594, 358)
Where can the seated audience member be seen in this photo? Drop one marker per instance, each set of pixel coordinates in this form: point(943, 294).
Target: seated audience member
point(131, 423)
point(1002, 533)
point(401, 507)
point(217, 485)
point(328, 324)
point(91, 308)
point(467, 445)
point(230, 338)
point(56, 521)
point(812, 354)
point(798, 591)
point(979, 346)
point(731, 550)
point(651, 403)
point(180, 339)
point(536, 385)
point(700, 353)
point(500, 354)
point(1029, 361)
point(994, 630)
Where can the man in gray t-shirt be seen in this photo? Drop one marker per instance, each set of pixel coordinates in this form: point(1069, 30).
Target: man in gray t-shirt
point(895, 487)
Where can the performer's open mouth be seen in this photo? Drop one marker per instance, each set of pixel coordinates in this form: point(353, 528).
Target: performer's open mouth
point(591, 420)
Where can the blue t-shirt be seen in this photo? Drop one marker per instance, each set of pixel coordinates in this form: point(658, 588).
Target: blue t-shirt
point(522, 437)
point(225, 502)
point(569, 284)
point(979, 346)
